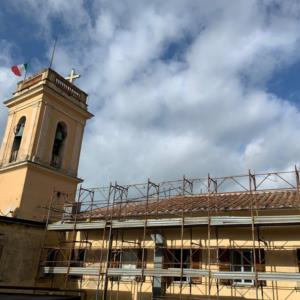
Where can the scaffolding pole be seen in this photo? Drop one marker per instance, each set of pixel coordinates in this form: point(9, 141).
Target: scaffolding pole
point(210, 181)
point(252, 188)
point(100, 274)
point(118, 194)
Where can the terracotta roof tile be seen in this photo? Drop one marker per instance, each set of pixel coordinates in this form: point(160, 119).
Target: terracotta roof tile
point(191, 205)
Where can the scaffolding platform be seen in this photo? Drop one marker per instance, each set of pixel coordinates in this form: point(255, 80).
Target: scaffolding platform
point(175, 222)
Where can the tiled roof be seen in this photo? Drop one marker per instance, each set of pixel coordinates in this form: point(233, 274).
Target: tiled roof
point(195, 204)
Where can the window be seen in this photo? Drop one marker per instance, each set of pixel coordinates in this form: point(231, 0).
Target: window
point(77, 257)
point(58, 145)
point(191, 259)
point(173, 260)
point(241, 260)
point(93, 256)
point(127, 259)
point(52, 257)
point(298, 259)
point(19, 129)
point(1, 250)
point(77, 260)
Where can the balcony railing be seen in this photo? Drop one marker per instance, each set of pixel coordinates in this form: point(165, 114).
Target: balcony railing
point(55, 81)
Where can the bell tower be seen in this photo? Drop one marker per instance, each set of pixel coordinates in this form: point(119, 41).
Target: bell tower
point(41, 144)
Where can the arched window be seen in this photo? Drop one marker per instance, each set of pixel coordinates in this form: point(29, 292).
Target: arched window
point(19, 129)
point(58, 145)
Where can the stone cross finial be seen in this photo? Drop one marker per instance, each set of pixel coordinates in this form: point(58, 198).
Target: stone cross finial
point(73, 76)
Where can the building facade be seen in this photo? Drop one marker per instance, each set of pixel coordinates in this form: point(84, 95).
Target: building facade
point(174, 241)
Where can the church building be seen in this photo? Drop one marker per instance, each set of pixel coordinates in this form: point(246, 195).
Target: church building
point(217, 238)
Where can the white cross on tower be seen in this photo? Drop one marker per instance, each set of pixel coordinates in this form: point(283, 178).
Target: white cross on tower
point(73, 76)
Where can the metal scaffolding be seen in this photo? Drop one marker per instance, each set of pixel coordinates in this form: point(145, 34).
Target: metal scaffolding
point(106, 212)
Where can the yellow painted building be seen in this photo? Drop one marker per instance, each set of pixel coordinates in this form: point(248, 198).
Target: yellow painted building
point(193, 245)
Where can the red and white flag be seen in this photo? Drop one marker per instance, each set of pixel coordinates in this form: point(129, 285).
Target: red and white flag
point(19, 70)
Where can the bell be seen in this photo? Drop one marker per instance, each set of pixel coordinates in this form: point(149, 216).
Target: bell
point(20, 130)
point(59, 136)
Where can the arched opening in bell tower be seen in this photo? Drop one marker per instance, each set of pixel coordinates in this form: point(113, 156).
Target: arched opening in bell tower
point(58, 145)
point(17, 139)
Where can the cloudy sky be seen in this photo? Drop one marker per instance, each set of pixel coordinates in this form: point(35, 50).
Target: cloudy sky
point(176, 87)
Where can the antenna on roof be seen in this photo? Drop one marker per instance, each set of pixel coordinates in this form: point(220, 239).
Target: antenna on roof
point(53, 52)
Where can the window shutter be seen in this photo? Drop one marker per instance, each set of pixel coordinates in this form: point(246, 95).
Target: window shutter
point(114, 262)
point(224, 264)
point(196, 260)
point(260, 264)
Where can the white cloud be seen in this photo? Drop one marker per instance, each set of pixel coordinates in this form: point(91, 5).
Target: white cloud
point(205, 109)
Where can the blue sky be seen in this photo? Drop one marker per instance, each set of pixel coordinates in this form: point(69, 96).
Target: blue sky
point(19, 31)
point(285, 83)
point(27, 42)
point(176, 87)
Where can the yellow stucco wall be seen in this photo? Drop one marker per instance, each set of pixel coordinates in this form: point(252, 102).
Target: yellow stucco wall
point(12, 184)
point(38, 190)
point(26, 191)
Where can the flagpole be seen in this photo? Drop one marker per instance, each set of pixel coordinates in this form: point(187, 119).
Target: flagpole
point(53, 52)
